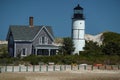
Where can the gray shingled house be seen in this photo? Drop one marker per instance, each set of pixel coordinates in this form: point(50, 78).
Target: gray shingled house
point(27, 40)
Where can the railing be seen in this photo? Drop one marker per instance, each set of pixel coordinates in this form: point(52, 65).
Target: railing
point(46, 68)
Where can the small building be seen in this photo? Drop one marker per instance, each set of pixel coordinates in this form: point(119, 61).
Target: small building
point(26, 40)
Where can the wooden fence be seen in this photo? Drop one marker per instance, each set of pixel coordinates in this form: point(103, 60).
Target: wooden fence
point(45, 68)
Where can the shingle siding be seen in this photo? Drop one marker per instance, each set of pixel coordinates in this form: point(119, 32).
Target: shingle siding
point(22, 45)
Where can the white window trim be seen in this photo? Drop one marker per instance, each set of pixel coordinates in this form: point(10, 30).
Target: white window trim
point(45, 42)
point(40, 40)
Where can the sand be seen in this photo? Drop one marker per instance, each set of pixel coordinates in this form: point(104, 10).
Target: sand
point(62, 75)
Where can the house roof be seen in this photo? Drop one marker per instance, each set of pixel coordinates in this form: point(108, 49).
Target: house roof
point(27, 33)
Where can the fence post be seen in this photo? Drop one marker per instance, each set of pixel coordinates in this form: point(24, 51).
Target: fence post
point(71, 67)
point(64, 67)
point(40, 68)
point(60, 68)
point(0, 70)
point(78, 67)
point(13, 68)
point(92, 67)
point(19, 68)
point(111, 67)
point(27, 68)
point(105, 67)
point(84, 67)
point(118, 67)
point(46, 67)
point(5, 68)
point(53, 67)
point(98, 67)
point(33, 68)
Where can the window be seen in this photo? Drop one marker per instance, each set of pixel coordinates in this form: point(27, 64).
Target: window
point(46, 40)
point(78, 12)
point(43, 40)
point(24, 51)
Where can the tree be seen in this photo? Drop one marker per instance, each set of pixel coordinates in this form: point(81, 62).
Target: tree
point(4, 51)
point(68, 46)
point(111, 48)
point(92, 48)
point(111, 43)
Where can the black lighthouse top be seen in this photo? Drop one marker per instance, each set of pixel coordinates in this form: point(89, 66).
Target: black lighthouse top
point(78, 13)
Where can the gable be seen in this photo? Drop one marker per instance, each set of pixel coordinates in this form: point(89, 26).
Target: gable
point(46, 31)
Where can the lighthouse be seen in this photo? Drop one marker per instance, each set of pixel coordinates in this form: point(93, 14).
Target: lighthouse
point(78, 29)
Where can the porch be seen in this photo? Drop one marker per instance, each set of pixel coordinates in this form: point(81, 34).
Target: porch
point(47, 50)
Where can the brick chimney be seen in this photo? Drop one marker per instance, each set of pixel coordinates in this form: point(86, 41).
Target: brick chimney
point(31, 21)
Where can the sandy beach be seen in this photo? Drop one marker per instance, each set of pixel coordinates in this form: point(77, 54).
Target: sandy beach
point(63, 75)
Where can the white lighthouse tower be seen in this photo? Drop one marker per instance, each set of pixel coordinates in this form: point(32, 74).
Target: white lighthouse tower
point(78, 29)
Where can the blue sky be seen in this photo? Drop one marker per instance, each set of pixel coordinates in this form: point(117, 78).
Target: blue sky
point(101, 15)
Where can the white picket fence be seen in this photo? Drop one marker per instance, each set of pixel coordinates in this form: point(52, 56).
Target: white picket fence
point(45, 68)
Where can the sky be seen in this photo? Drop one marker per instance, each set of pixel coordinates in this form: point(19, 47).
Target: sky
point(100, 15)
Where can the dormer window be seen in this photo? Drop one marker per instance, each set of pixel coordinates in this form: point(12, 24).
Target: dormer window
point(43, 40)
